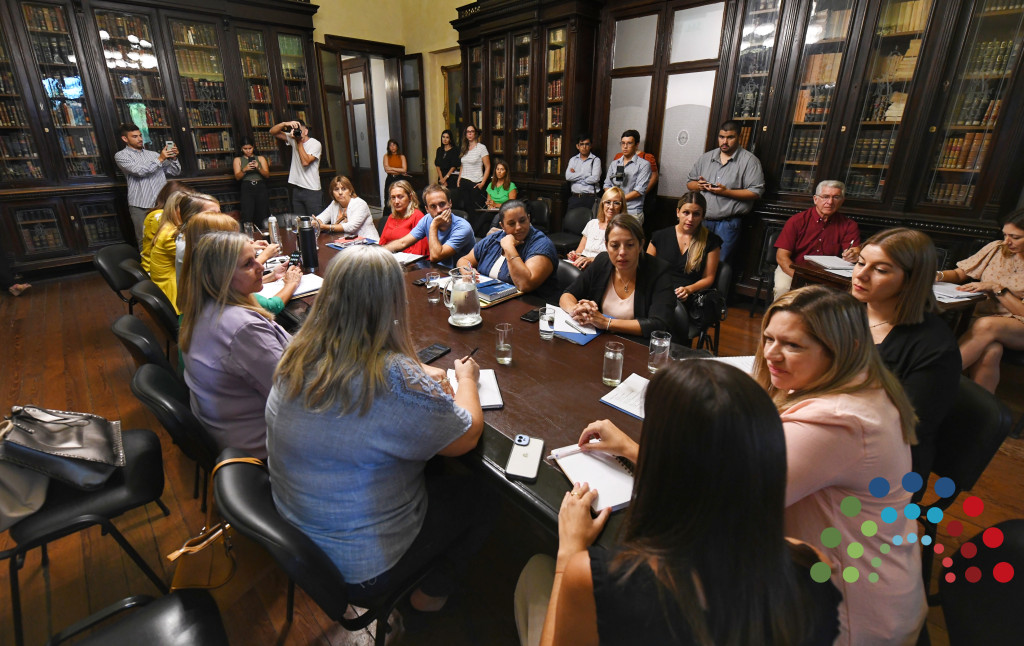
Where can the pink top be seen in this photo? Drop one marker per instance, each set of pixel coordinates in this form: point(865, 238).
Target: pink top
point(990, 265)
point(615, 307)
point(836, 444)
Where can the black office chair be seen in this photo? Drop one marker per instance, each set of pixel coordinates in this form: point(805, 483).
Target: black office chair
point(183, 618)
point(540, 214)
point(159, 307)
point(242, 494)
point(986, 611)
point(966, 442)
point(566, 274)
point(766, 269)
point(1016, 358)
point(569, 237)
point(168, 399)
point(108, 263)
point(140, 342)
point(133, 267)
point(68, 510)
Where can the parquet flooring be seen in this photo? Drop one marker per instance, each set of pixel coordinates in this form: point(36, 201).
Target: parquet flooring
point(58, 352)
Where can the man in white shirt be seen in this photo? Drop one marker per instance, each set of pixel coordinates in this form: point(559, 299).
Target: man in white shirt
point(145, 172)
point(583, 175)
point(304, 175)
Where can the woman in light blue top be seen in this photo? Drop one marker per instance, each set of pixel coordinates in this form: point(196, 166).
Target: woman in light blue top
point(353, 418)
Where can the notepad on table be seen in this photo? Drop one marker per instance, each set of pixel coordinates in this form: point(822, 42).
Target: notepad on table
point(744, 363)
point(490, 394)
point(309, 284)
point(408, 258)
point(830, 262)
point(629, 396)
point(948, 293)
point(568, 329)
point(612, 476)
point(489, 291)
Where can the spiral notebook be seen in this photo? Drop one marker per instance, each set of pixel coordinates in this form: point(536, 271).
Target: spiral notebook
point(612, 476)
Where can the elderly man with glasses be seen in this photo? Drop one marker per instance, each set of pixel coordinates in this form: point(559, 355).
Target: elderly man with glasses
point(819, 231)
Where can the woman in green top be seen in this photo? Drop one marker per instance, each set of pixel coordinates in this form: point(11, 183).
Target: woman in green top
point(501, 189)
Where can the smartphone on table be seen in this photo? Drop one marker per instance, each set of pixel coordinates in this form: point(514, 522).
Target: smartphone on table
point(524, 458)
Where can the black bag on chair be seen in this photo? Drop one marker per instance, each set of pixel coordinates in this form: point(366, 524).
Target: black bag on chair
point(79, 449)
point(705, 308)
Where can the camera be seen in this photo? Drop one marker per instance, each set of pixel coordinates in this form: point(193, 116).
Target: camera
point(295, 132)
point(620, 175)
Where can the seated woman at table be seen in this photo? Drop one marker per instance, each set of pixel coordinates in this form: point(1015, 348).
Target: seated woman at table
point(847, 423)
point(152, 221)
point(689, 247)
point(893, 276)
point(688, 569)
point(624, 290)
point(611, 204)
point(999, 321)
point(501, 188)
point(179, 207)
point(230, 344)
point(405, 214)
point(353, 418)
point(518, 253)
point(204, 223)
point(347, 213)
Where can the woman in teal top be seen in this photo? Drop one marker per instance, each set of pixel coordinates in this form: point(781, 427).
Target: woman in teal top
point(501, 189)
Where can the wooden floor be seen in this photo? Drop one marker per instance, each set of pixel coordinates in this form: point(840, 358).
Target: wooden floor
point(58, 352)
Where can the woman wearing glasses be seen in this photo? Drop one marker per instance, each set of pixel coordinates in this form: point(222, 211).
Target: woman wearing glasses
point(612, 203)
point(474, 170)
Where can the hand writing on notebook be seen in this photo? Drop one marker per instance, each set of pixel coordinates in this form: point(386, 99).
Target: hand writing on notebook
point(577, 530)
point(612, 440)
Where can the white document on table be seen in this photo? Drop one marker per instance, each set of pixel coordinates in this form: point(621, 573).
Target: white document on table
point(407, 258)
point(744, 363)
point(948, 293)
point(629, 396)
point(307, 285)
point(830, 262)
point(845, 273)
point(565, 323)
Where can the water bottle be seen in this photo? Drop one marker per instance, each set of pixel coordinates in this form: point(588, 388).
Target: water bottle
point(272, 230)
point(307, 243)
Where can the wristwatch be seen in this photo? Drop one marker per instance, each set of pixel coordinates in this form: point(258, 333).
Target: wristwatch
point(1000, 291)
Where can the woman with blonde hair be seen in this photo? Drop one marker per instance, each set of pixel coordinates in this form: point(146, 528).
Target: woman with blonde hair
point(347, 213)
point(848, 427)
point(230, 344)
point(353, 418)
point(179, 207)
point(893, 277)
point(405, 214)
point(612, 203)
point(152, 221)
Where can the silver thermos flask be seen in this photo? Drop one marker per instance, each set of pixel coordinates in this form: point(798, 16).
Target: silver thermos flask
point(273, 231)
point(307, 243)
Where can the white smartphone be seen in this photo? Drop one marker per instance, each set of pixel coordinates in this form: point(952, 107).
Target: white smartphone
point(168, 144)
point(524, 459)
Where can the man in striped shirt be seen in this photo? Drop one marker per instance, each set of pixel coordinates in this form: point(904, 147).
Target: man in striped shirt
point(146, 172)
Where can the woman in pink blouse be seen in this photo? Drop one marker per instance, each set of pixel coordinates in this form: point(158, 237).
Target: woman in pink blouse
point(847, 422)
point(998, 271)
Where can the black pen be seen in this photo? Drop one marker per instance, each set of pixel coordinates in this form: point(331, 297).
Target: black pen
point(472, 353)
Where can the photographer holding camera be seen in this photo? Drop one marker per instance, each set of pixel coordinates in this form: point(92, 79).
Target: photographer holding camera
point(304, 175)
point(631, 173)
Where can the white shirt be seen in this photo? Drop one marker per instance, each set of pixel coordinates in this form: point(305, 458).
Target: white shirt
point(473, 164)
point(595, 239)
point(358, 219)
point(305, 176)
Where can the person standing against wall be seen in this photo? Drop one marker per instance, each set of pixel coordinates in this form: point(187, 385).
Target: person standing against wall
point(145, 171)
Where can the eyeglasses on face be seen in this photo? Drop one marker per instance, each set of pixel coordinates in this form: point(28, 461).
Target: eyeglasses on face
point(829, 198)
point(611, 203)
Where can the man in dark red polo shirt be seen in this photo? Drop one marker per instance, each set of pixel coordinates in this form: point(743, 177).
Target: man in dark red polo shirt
point(819, 231)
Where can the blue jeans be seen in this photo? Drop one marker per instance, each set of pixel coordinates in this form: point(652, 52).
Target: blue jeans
point(305, 201)
point(729, 231)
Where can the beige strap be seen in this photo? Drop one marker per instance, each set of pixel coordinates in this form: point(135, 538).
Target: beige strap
point(255, 461)
point(199, 543)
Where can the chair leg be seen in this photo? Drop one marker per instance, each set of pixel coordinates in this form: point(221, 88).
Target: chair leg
point(290, 612)
point(19, 637)
point(44, 555)
point(757, 297)
point(163, 507)
point(195, 483)
point(206, 485)
point(130, 551)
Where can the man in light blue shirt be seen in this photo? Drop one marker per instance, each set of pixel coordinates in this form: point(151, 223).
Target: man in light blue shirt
point(449, 237)
point(631, 173)
point(584, 175)
point(145, 173)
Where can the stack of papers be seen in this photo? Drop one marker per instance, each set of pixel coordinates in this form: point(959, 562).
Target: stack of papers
point(490, 394)
point(833, 264)
point(309, 284)
point(629, 396)
point(568, 329)
point(948, 293)
point(407, 258)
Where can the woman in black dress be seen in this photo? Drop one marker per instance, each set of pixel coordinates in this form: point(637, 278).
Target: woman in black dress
point(447, 161)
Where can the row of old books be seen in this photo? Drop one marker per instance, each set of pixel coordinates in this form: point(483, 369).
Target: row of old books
point(833, 23)
point(207, 116)
point(964, 152)
point(121, 26)
point(977, 109)
point(804, 148)
point(556, 60)
point(993, 57)
point(555, 90)
point(951, 193)
point(553, 145)
point(821, 69)
point(813, 106)
point(897, 67)
point(900, 17)
point(874, 148)
point(44, 18)
point(555, 116)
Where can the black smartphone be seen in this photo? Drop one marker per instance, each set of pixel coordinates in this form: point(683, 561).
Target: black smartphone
point(419, 282)
point(430, 353)
point(295, 258)
point(531, 317)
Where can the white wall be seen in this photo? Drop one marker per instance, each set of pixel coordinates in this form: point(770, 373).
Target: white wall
point(380, 116)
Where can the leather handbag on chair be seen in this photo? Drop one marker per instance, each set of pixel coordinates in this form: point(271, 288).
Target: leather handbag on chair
point(705, 308)
point(79, 449)
point(219, 559)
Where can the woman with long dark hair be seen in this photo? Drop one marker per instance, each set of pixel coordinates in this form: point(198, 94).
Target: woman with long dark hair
point(690, 567)
point(501, 189)
point(252, 170)
point(446, 162)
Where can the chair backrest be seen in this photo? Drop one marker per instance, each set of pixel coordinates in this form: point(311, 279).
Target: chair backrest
point(566, 274)
point(108, 263)
point(970, 435)
point(168, 399)
point(134, 268)
point(158, 306)
point(941, 255)
point(140, 341)
point(986, 611)
point(540, 214)
point(723, 282)
point(462, 214)
point(767, 264)
point(576, 219)
point(244, 499)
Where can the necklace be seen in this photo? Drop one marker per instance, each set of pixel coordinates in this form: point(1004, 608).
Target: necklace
point(625, 285)
point(877, 324)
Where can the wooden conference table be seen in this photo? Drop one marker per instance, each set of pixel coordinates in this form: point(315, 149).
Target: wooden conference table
point(550, 390)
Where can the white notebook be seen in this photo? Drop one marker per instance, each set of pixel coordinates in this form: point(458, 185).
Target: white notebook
point(407, 258)
point(830, 262)
point(611, 476)
point(307, 285)
point(629, 396)
point(490, 394)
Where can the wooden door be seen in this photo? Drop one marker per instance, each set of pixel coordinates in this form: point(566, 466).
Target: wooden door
point(362, 150)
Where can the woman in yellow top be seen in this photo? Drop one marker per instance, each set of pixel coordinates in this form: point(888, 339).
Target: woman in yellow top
point(152, 222)
point(179, 207)
point(396, 168)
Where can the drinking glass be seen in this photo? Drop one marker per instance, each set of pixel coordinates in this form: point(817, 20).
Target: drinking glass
point(250, 233)
point(433, 288)
point(659, 350)
point(503, 344)
point(612, 373)
point(547, 322)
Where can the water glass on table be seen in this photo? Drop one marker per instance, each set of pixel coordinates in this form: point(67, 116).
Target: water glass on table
point(433, 287)
point(547, 322)
point(249, 230)
point(658, 357)
point(611, 375)
point(503, 343)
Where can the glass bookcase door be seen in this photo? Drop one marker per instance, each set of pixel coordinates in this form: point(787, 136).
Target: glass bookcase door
point(498, 69)
point(521, 55)
point(825, 42)
point(19, 156)
point(252, 52)
point(133, 72)
point(38, 229)
point(293, 70)
point(201, 70)
point(475, 81)
point(98, 223)
point(56, 66)
point(757, 46)
point(553, 100)
point(891, 75)
point(991, 52)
